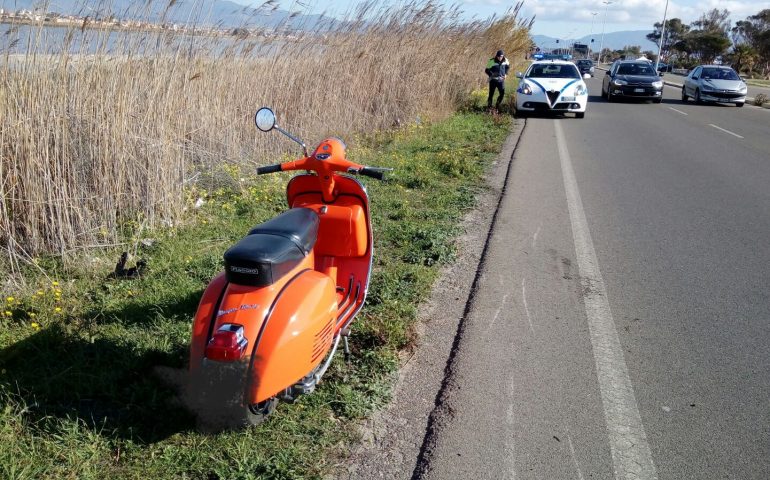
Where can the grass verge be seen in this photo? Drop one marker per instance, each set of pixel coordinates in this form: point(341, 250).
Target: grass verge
point(77, 350)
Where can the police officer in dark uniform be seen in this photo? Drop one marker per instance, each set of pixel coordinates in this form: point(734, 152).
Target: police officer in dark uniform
point(497, 70)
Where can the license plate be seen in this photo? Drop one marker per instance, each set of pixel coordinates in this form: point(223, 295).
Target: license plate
point(723, 100)
point(568, 99)
point(638, 90)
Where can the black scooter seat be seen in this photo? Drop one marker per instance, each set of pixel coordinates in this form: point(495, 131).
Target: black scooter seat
point(300, 225)
point(272, 249)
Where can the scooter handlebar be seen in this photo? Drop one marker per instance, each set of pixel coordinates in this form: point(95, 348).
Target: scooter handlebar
point(268, 169)
point(373, 172)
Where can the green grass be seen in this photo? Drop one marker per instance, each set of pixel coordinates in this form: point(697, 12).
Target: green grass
point(758, 82)
point(79, 399)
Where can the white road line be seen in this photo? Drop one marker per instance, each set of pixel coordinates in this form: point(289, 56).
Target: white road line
point(726, 131)
point(631, 456)
point(534, 237)
point(526, 307)
point(497, 313)
point(678, 111)
point(574, 457)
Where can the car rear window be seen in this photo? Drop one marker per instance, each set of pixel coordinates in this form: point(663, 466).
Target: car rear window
point(720, 74)
point(553, 71)
point(636, 69)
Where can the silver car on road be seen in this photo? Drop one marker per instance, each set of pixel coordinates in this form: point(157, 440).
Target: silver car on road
point(714, 83)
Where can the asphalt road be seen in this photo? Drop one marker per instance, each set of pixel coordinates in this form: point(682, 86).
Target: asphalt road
point(621, 326)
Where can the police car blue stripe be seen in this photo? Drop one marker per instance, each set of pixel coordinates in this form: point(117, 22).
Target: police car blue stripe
point(567, 85)
point(541, 87)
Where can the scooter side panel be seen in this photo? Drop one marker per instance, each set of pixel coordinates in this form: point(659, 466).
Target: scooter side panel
point(295, 337)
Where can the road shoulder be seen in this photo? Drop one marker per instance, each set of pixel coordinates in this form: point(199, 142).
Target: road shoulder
point(393, 438)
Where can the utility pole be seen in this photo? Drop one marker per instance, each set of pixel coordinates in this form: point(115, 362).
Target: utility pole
point(604, 21)
point(590, 35)
point(662, 34)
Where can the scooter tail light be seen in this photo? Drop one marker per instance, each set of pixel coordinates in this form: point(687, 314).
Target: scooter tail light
point(228, 343)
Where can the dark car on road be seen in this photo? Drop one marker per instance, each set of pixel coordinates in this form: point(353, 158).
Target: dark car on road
point(585, 66)
point(632, 79)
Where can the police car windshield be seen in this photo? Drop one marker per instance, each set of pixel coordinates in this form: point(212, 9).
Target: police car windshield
point(553, 71)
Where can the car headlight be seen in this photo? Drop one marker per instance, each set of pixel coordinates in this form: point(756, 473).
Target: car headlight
point(706, 88)
point(619, 82)
point(743, 89)
point(657, 84)
point(525, 89)
point(580, 90)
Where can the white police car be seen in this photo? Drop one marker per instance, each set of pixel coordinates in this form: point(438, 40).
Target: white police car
point(551, 86)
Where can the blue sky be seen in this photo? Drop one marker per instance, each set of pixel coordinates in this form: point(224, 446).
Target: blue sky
point(567, 18)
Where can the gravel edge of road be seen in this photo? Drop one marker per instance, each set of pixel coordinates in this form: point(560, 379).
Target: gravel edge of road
point(396, 442)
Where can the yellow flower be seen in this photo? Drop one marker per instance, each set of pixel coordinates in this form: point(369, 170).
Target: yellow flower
point(57, 309)
point(8, 314)
point(32, 314)
point(9, 299)
point(58, 294)
point(55, 284)
point(130, 293)
point(35, 325)
point(40, 293)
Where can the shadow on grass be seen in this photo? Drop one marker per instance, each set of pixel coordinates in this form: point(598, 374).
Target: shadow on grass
point(105, 384)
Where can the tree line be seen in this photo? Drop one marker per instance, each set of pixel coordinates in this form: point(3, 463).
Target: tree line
point(745, 45)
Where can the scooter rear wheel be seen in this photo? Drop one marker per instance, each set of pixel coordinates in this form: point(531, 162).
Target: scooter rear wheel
point(258, 412)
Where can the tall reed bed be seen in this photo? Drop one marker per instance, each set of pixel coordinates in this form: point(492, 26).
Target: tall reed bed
point(114, 127)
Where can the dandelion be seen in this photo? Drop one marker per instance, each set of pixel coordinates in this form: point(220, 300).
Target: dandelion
point(10, 299)
point(35, 325)
point(55, 284)
point(8, 313)
point(57, 310)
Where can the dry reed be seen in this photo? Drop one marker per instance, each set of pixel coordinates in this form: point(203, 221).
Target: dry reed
point(92, 137)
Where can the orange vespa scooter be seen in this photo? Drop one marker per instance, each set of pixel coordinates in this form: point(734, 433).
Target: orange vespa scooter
point(268, 327)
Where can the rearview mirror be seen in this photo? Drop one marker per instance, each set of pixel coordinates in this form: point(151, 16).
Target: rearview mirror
point(661, 74)
point(519, 75)
point(586, 75)
point(265, 119)
point(694, 77)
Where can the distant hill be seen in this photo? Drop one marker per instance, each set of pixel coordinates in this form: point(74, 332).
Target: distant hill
point(213, 13)
point(612, 40)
